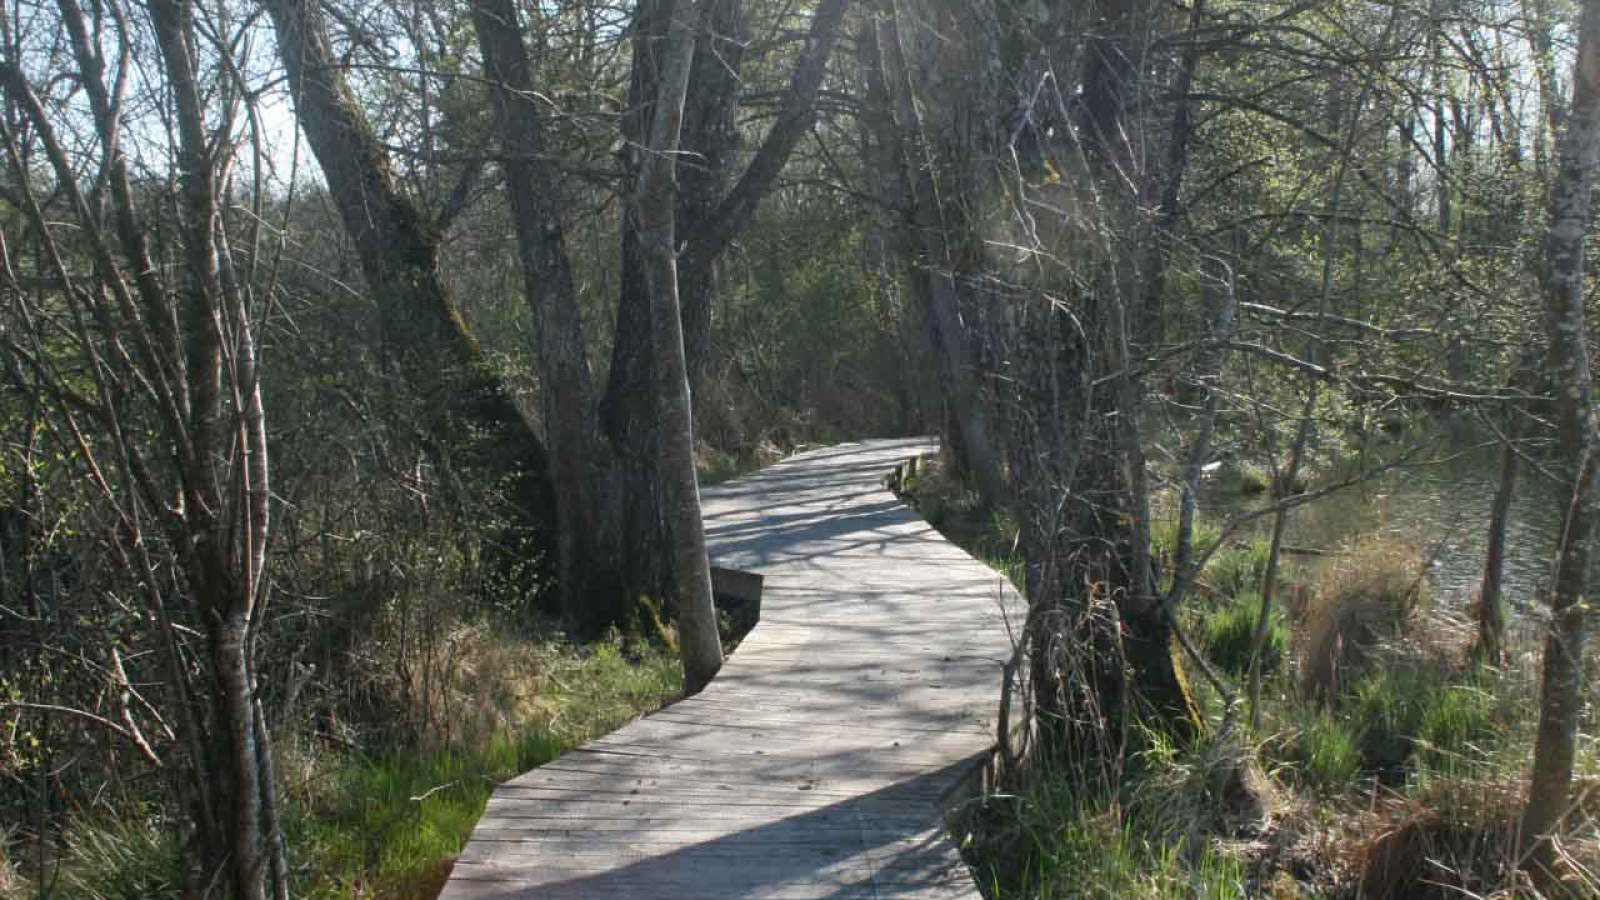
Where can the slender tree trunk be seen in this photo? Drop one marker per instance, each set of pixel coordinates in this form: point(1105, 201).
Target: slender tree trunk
point(225, 557)
point(1168, 186)
point(1440, 147)
point(946, 272)
point(1561, 699)
point(654, 205)
point(1491, 605)
point(882, 152)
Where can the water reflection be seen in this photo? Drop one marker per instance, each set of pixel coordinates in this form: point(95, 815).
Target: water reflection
point(1445, 509)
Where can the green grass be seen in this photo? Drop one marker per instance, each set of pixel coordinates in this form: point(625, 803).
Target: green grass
point(1060, 836)
point(1422, 714)
point(1164, 538)
point(1408, 718)
point(1320, 749)
point(1387, 705)
point(718, 466)
point(122, 860)
point(1457, 728)
point(1227, 634)
point(1236, 568)
point(1399, 709)
point(387, 824)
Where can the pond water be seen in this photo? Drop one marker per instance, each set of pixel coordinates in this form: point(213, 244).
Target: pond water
point(1443, 508)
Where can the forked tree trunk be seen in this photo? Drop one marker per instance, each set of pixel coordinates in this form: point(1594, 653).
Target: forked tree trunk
point(605, 466)
point(591, 577)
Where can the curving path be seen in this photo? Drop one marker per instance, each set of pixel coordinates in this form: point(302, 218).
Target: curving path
point(813, 766)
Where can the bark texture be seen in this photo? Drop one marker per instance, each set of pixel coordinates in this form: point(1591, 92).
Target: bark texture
point(654, 205)
point(590, 567)
point(1561, 699)
point(424, 334)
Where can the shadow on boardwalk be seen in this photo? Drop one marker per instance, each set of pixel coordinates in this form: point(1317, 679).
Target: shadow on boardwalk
point(813, 766)
point(898, 844)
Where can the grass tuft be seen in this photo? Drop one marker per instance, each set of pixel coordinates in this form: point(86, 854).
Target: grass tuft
point(1164, 539)
point(1320, 749)
point(1237, 568)
point(123, 860)
point(1059, 837)
point(1365, 596)
point(1227, 633)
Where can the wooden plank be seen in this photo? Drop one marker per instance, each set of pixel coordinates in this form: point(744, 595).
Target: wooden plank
point(813, 767)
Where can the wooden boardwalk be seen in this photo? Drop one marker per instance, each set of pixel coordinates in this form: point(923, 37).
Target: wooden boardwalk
point(813, 766)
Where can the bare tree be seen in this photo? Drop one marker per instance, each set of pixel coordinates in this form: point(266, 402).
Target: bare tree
point(160, 399)
point(1565, 325)
point(606, 472)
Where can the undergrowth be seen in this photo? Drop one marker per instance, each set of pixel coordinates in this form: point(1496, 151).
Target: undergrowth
point(386, 821)
point(1389, 764)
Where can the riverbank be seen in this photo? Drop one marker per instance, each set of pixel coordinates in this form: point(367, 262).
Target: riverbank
point(1388, 762)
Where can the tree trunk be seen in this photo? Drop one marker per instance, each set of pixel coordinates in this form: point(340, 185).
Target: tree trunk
point(424, 334)
point(1561, 699)
point(944, 268)
point(654, 206)
point(710, 146)
point(711, 215)
point(1167, 185)
point(1491, 606)
point(590, 565)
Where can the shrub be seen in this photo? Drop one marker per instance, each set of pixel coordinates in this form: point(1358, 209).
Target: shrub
point(1368, 593)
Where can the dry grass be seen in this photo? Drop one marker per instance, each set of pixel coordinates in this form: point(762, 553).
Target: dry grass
point(11, 881)
point(1459, 838)
point(1364, 596)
